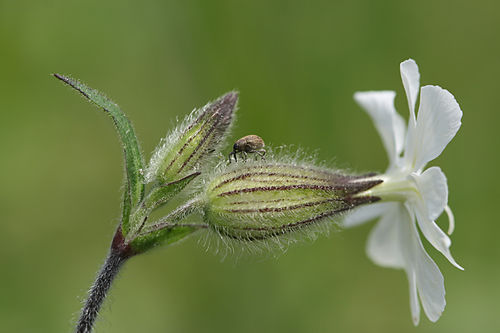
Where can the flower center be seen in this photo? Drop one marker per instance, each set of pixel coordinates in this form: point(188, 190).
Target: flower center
point(394, 188)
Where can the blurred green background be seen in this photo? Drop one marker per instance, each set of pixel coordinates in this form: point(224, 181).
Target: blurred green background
point(297, 65)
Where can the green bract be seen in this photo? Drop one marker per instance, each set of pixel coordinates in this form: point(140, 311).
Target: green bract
point(134, 182)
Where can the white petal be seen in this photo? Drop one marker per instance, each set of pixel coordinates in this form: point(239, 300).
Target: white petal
point(399, 132)
point(414, 303)
point(364, 214)
point(380, 107)
point(434, 234)
point(429, 280)
point(451, 219)
point(423, 273)
point(411, 82)
point(384, 243)
point(430, 285)
point(438, 121)
point(433, 188)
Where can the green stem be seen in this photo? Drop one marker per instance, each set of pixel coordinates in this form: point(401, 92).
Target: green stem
point(118, 254)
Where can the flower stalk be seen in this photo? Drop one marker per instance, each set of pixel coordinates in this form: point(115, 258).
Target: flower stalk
point(118, 254)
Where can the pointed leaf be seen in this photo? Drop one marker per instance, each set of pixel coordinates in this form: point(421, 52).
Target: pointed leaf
point(158, 196)
point(134, 185)
point(163, 193)
point(167, 230)
point(163, 236)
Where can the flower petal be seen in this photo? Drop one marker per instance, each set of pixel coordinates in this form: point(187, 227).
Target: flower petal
point(423, 274)
point(451, 219)
point(414, 303)
point(428, 279)
point(430, 285)
point(384, 244)
point(433, 187)
point(364, 214)
point(380, 107)
point(438, 121)
point(434, 234)
point(411, 82)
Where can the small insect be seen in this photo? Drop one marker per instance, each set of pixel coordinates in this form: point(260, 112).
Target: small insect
point(248, 144)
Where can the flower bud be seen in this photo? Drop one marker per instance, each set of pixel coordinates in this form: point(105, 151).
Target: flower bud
point(258, 201)
point(199, 136)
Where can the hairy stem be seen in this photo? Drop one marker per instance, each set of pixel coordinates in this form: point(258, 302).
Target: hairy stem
point(97, 293)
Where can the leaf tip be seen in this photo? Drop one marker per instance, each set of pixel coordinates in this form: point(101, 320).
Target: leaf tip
point(60, 77)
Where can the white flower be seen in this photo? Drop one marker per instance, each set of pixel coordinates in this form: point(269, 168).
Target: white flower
point(409, 194)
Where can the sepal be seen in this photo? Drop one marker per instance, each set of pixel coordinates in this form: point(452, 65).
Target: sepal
point(196, 139)
point(264, 200)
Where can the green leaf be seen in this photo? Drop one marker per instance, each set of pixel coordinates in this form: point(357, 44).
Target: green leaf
point(164, 236)
point(168, 229)
point(158, 196)
point(134, 185)
point(163, 193)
